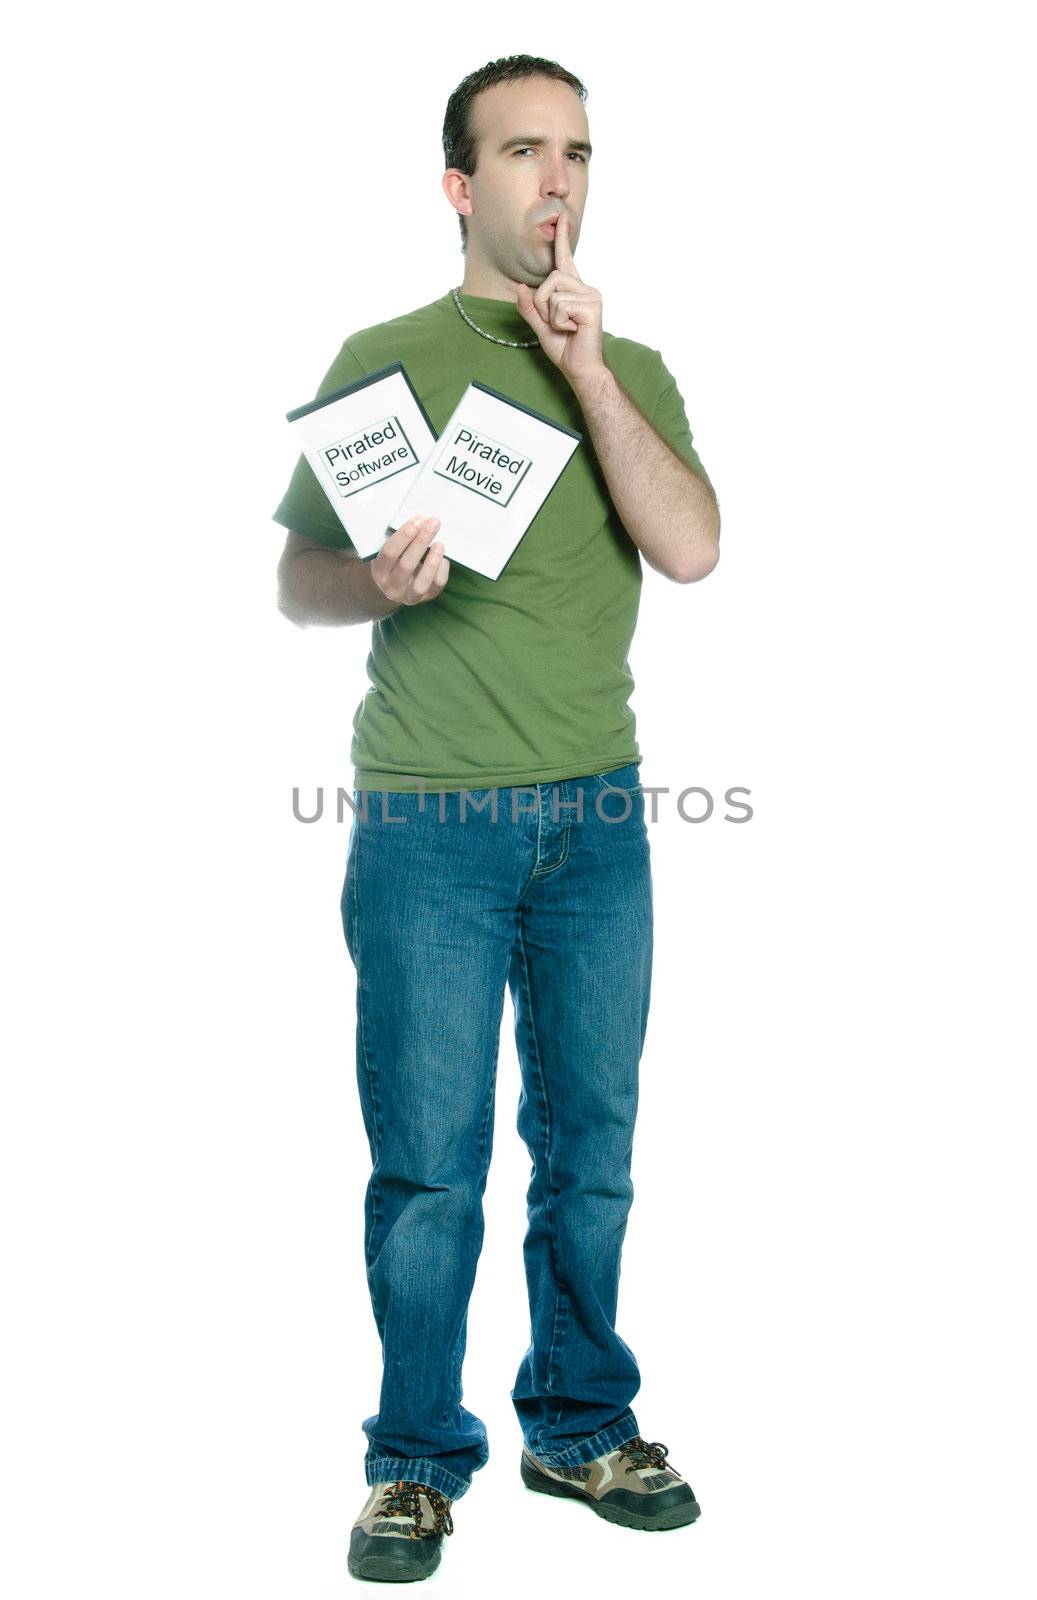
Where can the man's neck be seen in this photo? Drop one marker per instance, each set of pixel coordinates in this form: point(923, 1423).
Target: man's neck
point(494, 292)
point(488, 285)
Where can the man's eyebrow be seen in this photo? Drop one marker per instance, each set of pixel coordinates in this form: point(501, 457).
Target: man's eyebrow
point(538, 138)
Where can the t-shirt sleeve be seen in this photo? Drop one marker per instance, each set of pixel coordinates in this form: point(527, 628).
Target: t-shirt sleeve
point(304, 506)
point(670, 421)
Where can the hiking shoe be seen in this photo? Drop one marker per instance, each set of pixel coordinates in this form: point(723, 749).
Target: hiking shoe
point(633, 1485)
point(398, 1534)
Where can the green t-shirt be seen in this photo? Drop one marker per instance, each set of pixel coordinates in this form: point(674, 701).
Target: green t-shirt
point(522, 679)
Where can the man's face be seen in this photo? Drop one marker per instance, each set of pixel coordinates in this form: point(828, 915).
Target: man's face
point(517, 183)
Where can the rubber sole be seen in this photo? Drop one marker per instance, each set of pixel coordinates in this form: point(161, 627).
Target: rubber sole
point(672, 1515)
point(393, 1560)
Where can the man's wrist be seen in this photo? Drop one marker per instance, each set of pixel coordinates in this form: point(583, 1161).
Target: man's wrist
point(590, 388)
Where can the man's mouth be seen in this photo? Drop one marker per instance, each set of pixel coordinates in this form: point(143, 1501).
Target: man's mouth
point(550, 226)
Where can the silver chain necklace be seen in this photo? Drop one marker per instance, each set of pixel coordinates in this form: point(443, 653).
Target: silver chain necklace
point(516, 344)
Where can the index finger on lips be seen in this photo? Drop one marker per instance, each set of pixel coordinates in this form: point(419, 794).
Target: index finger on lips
point(563, 241)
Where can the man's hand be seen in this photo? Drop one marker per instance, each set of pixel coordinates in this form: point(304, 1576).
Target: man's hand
point(565, 314)
point(399, 570)
point(407, 568)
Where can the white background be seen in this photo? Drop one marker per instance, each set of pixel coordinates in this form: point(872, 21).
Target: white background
point(822, 216)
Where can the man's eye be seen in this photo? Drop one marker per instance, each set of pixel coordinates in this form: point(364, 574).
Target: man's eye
point(526, 147)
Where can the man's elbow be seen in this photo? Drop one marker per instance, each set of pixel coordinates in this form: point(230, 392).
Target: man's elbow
point(287, 601)
point(287, 610)
point(701, 562)
point(700, 567)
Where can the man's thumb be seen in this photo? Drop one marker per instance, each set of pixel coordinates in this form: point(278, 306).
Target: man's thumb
point(526, 305)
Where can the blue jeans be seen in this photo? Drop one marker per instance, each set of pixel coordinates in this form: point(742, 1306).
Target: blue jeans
point(442, 906)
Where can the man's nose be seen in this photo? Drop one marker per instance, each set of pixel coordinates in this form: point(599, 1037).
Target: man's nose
point(556, 181)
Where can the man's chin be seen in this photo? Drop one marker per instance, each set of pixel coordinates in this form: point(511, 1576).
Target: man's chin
point(533, 273)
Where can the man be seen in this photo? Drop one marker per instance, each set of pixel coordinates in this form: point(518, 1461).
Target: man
point(510, 694)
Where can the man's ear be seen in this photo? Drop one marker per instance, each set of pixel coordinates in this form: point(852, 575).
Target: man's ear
point(455, 187)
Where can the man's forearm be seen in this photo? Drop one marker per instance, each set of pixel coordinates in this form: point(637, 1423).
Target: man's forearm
point(329, 586)
point(666, 508)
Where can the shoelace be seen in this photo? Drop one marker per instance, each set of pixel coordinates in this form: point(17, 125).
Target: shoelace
point(643, 1454)
point(401, 1497)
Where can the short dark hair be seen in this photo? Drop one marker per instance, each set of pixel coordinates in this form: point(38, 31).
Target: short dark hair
point(459, 142)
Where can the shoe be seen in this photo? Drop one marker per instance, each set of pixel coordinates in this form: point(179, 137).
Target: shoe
point(399, 1533)
point(633, 1485)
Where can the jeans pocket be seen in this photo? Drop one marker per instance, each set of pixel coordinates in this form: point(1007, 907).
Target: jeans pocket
point(628, 777)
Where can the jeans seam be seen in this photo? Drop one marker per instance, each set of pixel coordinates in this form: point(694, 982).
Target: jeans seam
point(545, 872)
point(547, 1136)
point(371, 1086)
point(458, 1360)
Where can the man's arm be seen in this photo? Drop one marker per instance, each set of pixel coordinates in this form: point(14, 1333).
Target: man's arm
point(316, 584)
point(667, 509)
